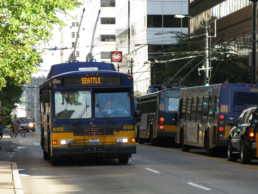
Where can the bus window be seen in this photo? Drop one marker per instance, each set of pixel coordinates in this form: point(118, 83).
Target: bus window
point(188, 109)
point(110, 105)
point(199, 109)
point(211, 107)
point(194, 104)
point(173, 104)
point(205, 107)
point(183, 106)
point(73, 105)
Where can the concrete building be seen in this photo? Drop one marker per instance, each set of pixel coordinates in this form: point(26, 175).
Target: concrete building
point(144, 30)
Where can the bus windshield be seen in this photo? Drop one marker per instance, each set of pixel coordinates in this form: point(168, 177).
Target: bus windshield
point(112, 105)
point(73, 105)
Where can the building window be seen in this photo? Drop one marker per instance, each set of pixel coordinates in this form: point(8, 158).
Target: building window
point(77, 54)
point(170, 21)
point(154, 21)
point(105, 55)
point(108, 3)
point(73, 34)
point(108, 20)
point(108, 38)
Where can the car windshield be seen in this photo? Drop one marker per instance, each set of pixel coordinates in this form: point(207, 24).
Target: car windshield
point(73, 105)
point(112, 105)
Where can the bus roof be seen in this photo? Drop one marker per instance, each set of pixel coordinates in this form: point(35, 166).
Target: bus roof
point(76, 66)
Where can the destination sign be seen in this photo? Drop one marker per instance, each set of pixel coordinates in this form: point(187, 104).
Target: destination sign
point(92, 81)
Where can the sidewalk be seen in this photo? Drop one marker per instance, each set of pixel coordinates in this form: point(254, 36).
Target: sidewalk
point(10, 182)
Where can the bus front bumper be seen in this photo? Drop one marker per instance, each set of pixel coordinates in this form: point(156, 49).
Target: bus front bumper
point(112, 151)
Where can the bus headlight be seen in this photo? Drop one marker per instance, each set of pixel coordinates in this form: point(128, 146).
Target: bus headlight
point(30, 124)
point(65, 141)
point(122, 140)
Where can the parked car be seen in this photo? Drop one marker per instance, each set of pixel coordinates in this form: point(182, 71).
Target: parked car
point(27, 124)
point(242, 140)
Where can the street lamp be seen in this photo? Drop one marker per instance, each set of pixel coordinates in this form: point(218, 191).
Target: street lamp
point(254, 43)
point(207, 67)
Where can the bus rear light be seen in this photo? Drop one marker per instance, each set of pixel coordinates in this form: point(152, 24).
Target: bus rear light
point(221, 117)
point(221, 122)
point(54, 142)
point(221, 129)
point(161, 127)
point(161, 119)
point(133, 140)
point(247, 85)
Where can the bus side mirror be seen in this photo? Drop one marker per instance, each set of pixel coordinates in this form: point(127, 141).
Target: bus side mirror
point(137, 115)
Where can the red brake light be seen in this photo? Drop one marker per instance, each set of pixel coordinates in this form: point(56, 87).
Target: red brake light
point(221, 117)
point(247, 85)
point(161, 127)
point(221, 129)
point(162, 119)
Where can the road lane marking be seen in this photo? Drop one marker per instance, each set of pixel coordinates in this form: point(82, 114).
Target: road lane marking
point(151, 170)
point(199, 186)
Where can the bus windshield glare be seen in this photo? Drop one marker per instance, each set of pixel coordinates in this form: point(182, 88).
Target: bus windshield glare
point(73, 105)
point(112, 105)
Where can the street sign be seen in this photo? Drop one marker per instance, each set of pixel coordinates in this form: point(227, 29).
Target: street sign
point(116, 56)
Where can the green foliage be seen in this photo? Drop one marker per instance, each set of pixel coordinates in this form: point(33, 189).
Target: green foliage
point(226, 65)
point(9, 96)
point(24, 24)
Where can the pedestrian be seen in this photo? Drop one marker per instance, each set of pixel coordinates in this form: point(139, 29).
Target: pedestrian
point(1, 127)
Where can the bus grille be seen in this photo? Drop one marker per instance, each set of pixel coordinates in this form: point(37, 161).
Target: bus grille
point(243, 98)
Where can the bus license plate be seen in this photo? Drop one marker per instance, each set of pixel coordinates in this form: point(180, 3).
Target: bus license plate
point(94, 141)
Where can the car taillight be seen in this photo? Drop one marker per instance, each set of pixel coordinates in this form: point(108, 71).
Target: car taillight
point(251, 133)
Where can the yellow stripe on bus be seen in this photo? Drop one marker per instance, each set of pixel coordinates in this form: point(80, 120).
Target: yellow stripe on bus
point(170, 128)
point(85, 140)
point(227, 130)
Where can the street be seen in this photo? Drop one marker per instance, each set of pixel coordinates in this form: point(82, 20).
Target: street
point(152, 170)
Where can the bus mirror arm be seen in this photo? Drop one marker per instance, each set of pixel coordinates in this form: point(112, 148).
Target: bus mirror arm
point(231, 121)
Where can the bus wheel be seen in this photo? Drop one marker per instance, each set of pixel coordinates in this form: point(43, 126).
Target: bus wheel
point(123, 160)
point(245, 154)
point(184, 147)
point(230, 155)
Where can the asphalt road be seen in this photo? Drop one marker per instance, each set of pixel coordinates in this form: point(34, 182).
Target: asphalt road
point(151, 170)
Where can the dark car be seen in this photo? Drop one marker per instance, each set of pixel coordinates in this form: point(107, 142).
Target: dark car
point(27, 124)
point(242, 137)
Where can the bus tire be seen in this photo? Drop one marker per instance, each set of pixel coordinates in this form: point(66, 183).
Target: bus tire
point(123, 160)
point(208, 151)
point(230, 155)
point(245, 153)
point(184, 147)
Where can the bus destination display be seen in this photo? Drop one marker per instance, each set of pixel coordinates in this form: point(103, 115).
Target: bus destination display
point(92, 81)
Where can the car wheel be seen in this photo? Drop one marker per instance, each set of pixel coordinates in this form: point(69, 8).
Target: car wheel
point(230, 155)
point(245, 153)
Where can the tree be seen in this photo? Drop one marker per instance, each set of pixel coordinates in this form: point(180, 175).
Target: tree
point(227, 65)
point(24, 24)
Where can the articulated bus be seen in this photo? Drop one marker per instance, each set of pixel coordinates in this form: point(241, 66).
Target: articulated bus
point(206, 113)
point(87, 110)
point(158, 116)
